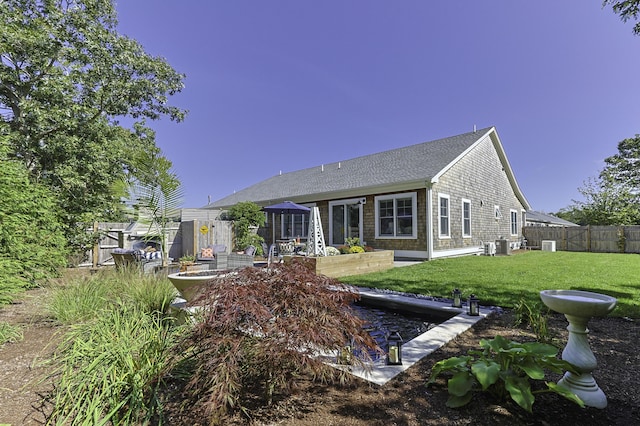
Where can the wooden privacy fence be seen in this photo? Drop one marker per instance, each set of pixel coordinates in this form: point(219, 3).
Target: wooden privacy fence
point(186, 237)
point(598, 239)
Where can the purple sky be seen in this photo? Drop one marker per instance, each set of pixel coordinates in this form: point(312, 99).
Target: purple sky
point(283, 85)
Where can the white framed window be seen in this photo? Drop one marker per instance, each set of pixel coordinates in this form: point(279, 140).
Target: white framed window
point(497, 214)
point(444, 222)
point(466, 218)
point(514, 222)
point(397, 215)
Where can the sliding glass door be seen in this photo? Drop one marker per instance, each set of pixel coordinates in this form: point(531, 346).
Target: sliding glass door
point(345, 219)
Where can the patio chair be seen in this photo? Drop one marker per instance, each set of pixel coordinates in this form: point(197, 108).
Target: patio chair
point(273, 254)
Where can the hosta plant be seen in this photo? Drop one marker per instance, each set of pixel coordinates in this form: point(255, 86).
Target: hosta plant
point(504, 369)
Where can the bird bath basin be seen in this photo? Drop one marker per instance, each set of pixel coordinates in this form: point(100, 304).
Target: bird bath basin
point(190, 284)
point(579, 303)
point(579, 307)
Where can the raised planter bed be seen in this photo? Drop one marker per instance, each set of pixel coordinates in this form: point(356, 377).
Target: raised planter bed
point(350, 264)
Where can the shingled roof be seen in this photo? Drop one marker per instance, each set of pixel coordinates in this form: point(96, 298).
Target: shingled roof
point(370, 174)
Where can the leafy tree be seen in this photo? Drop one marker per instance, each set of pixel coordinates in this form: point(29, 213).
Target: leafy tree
point(32, 245)
point(622, 168)
point(66, 79)
point(244, 215)
point(604, 204)
point(613, 198)
point(261, 329)
point(627, 9)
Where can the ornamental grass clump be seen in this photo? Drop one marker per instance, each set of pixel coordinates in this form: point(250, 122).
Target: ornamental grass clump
point(110, 369)
point(85, 297)
point(261, 329)
point(9, 333)
point(504, 369)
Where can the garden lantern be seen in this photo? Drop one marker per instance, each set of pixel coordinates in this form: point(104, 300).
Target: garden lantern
point(474, 309)
point(394, 349)
point(457, 298)
point(344, 354)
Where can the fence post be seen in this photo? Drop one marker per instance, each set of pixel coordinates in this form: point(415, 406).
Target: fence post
point(96, 247)
point(589, 238)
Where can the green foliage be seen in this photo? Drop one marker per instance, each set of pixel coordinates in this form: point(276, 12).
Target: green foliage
point(262, 328)
point(245, 215)
point(606, 202)
point(504, 369)
point(534, 316)
point(111, 364)
point(66, 80)
point(187, 258)
point(110, 369)
point(32, 245)
point(353, 242)
point(9, 333)
point(84, 298)
point(157, 196)
point(627, 9)
point(614, 197)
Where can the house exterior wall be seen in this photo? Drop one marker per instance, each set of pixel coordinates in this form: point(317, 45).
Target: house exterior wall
point(479, 178)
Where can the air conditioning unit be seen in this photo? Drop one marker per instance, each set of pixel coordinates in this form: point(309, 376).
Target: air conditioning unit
point(548, 245)
point(489, 249)
point(503, 247)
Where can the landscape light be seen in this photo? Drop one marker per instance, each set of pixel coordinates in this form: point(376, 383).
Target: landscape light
point(344, 354)
point(474, 308)
point(457, 298)
point(394, 349)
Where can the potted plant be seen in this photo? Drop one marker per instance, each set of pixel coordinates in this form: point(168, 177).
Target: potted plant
point(185, 261)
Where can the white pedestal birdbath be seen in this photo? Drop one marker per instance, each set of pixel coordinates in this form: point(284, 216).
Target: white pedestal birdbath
point(578, 307)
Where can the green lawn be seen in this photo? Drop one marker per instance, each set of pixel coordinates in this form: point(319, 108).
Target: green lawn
point(504, 280)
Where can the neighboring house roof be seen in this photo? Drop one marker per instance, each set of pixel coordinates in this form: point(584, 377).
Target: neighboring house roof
point(540, 217)
point(397, 169)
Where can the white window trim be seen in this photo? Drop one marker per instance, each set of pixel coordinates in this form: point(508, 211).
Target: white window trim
point(513, 213)
point(497, 214)
point(465, 201)
point(448, 234)
point(414, 211)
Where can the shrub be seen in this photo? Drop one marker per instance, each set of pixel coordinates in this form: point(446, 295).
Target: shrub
point(352, 242)
point(32, 244)
point(110, 370)
point(503, 368)
point(534, 316)
point(332, 251)
point(244, 215)
point(85, 297)
point(343, 249)
point(263, 328)
point(356, 249)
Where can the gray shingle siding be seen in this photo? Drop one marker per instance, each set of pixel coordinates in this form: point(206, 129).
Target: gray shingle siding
point(480, 178)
